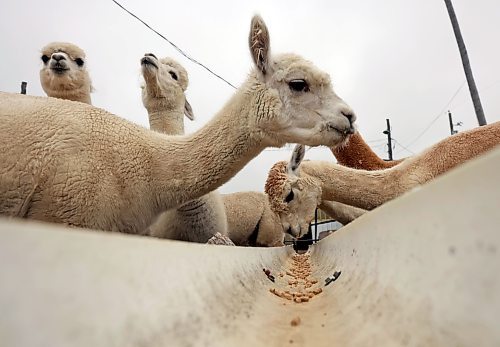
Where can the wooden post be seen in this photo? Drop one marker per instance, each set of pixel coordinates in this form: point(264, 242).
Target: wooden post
point(481, 119)
point(389, 139)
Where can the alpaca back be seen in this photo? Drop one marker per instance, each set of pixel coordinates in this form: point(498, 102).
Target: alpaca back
point(43, 161)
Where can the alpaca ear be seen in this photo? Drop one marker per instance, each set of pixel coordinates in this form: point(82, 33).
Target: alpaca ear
point(297, 156)
point(259, 43)
point(188, 111)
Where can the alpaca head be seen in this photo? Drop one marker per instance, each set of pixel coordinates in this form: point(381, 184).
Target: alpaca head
point(292, 197)
point(299, 105)
point(64, 73)
point(166, 81)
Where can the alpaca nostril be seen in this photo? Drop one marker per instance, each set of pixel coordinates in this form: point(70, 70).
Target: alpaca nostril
point(150, 55)
point(350, 117)
point(58, 57)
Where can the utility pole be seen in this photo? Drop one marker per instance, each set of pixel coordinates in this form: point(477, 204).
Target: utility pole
point(389, 139)
point(23, 87)
point(452, 130)
point(466, 64)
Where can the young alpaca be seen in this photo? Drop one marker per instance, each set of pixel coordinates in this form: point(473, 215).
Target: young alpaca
point(251, 221)
point(73, 163)
point(164, 98)
point(64, 74)
point(356, 154)
point(296, 189)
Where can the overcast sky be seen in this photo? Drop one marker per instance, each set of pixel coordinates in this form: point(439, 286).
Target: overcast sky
point(387, 59)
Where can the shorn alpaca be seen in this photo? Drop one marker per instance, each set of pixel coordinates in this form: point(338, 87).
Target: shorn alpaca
point(64, 73)
point(297, 188)
point(163, 96)
point(251, 221)
point(76, 164)
point(358, 155)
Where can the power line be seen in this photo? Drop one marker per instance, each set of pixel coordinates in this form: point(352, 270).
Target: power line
point(485, 91)
point(172, 44)
point(438, 115)
point(379, 140)
point(382, 145)
point(399, 143)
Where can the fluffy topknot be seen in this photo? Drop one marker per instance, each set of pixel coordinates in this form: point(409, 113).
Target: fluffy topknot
point(70, 49)
point(276, 180)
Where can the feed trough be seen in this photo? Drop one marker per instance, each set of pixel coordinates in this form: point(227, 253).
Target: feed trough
point(419, 270)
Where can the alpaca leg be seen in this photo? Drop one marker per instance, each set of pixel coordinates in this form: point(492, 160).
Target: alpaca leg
point(341, 212)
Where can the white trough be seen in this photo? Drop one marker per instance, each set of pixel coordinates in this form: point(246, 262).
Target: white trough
point(420, 270)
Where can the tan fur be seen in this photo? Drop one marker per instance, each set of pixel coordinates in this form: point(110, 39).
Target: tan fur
point(356, 154)
point(71, 83)
point(196, 221)
point(72, 163)
point(248, 213)
point(275, 186)
point(163, 96)
point(316, 181)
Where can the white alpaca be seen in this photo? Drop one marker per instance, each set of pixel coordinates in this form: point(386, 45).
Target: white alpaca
point(64, 73)
point(251, 221)
point(73, 163)
point(163, 94)
point(297, 188)
point(164, 98)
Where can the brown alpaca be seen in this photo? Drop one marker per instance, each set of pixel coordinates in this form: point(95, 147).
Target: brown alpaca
point(76, 164)
point(296, 188)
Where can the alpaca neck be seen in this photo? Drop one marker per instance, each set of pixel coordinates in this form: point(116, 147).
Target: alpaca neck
point(170, 121)
point(457, 149)
point(369, 189)
point(359, 188)
point(167, 121)
point(191, 166)
point(357, 154)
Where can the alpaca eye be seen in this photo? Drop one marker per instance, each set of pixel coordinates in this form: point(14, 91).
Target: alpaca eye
point(298, 85)
point(45, 59)
point(79, 61)
point(173, 74)
point(289, 197)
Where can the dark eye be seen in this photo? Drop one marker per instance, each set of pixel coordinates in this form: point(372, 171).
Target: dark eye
point(173, 74)
point(45, 59)
point(79, 61)
point(298, 85)
point(289, 197)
